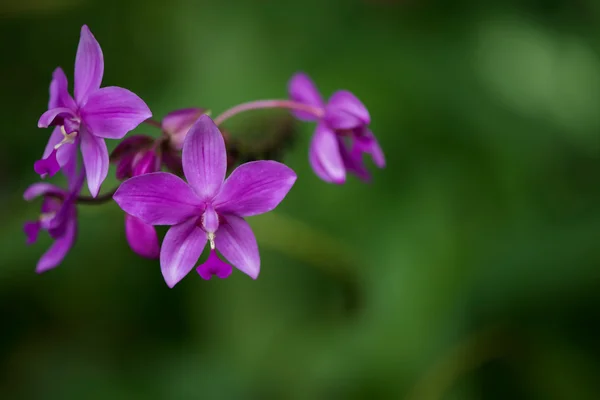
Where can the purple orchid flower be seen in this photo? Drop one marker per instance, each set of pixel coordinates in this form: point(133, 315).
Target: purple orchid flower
point(94, 115)
point(342, 135)
point(207, 208)
point(58, 217)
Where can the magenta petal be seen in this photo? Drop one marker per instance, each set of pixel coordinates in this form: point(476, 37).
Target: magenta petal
point(47, 166)
point(112, 112)
point(180, 250)
point(124, 167)
point(236, 241)
point(324, 156)
point(368, 143)
point(255, 188)
point(214, 266)
point(59, 91)
point(302, 89)
point(89, 66)
point(353, 162)
point(95, 160)
point(158, 198)
point(177, 124)
point(59, 249)
point(42, 188)
point(49, 117)
point(32, 229)
point(141, 237)
point(345, 111)
point(145, 163)
point(204, 158)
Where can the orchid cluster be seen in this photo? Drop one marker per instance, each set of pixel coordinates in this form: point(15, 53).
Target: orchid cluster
point(205, 208)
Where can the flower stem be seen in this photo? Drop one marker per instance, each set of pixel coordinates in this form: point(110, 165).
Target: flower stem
point(153, 123)
point(96, 200)
point(262, 104)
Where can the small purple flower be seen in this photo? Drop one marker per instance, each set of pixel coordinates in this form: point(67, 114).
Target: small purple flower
point(58, 217)
point(207, 208)
point(342, 134)
point(94, 115)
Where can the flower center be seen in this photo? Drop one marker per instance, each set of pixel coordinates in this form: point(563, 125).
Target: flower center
point(67, 137)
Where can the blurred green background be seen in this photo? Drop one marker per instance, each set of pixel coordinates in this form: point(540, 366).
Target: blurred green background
point(468, 269)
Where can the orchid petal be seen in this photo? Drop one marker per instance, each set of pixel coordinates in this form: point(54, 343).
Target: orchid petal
point(47, 166)
point(302, 89)
point(255, 188)
point(204, 157)
point(236, 241)
point(95, 160)
point(59, 249)
point(48, 118)
point(180, 250)
point(32, 229)
point(42, 188)
point(214, 266)
point(324, 156)
point(59, 91)
point(353, 162)
point(89, 66)
point(159, 198)
point(145, 163)
point(141, 237)
point(125, 167)
point(367, 143)
point(177, 124)
point(345, 111)
point(112, 112)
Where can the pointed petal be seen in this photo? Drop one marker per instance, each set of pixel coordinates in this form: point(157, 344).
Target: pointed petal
point(50, 117)
point(236, 241)
point(177, 124)
point(112, 112)
point(214, 266)
point(42, 188)
point(158, 198)
point(255, 188)
point(367, 143)
point(59, 249)
point(59, 91)
point(141, 237)
point(89, 66)
point(180, 250)
point(324, 156)
point(95, 160)
point(32, 229)
point(204, 157)
point(345, 111)
point(145, 163)
point(302, 89)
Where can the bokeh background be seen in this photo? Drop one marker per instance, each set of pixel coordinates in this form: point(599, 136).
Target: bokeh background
point(468, 269)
